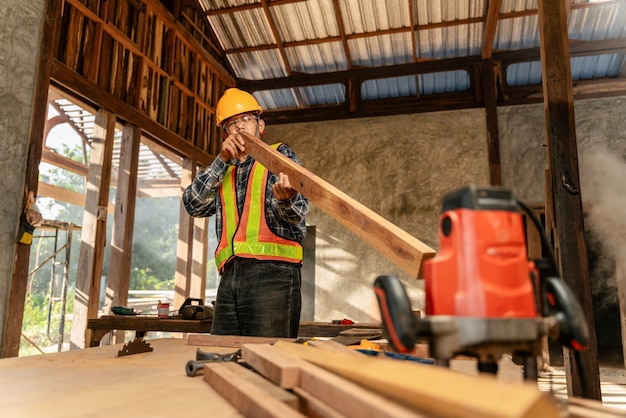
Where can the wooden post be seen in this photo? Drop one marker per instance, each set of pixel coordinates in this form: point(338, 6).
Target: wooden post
point(184, 249)
point(93, 236)
point(48, 46)
point(118, 280)
point(491, 115)
point(583, 376)
point(199, 251)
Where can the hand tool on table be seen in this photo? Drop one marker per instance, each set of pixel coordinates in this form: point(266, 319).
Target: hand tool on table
point(194, 367)
point(402, 249)
point(194, 308)
point(484, 297)
point(124, 310)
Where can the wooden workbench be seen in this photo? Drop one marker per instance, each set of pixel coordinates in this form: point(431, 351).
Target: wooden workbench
point(142, 324)
point(94, 382)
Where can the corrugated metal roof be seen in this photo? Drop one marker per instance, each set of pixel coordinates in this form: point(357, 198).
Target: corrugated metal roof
point(265, 40)
point(152, 165)
point(275, 39)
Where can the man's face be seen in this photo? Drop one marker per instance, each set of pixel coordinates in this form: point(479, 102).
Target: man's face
point(246, 122)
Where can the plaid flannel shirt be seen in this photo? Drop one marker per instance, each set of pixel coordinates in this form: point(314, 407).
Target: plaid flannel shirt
point(285, 218)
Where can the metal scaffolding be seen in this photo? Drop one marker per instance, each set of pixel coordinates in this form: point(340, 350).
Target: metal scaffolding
point(60, 269)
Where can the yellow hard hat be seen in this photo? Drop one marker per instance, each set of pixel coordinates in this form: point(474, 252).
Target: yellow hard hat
point(234, 102)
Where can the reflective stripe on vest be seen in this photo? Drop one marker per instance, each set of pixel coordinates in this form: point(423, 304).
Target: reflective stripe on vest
point(230, 218)
point(253, 238)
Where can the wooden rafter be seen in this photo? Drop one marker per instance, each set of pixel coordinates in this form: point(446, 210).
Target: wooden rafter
point(491, 24)
point(342, 33)
point(354, 77)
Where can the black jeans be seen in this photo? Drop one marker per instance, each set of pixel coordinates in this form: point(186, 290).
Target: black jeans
point(258, 298)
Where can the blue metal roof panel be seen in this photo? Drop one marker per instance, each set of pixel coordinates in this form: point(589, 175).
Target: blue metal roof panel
point(584, 24)
point(307, 20)
point(597, 66)
point(378, 51)
point(362, 16)
point(242, 29)
point(523, 74)
point(517, 33)
point(387, 88)
point(444, 82)
point(438, 11)
point(300, 97)
point(258, 65)
point(323, 95)
point(606, 21)
point(317, 58)
point(450, 42)
point(583, 68)
point(277, 99)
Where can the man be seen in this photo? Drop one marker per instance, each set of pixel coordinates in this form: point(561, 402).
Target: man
point(260, 224)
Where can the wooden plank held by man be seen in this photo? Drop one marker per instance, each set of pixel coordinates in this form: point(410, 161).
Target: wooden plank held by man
point(402, 249)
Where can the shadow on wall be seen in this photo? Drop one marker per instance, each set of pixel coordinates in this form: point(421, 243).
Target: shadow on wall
point(349, 293)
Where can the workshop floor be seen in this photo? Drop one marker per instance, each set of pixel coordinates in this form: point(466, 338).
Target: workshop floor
point(612, 385)
point(612, 378)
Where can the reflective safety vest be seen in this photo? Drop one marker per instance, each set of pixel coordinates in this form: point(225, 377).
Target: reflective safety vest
point(250, 236)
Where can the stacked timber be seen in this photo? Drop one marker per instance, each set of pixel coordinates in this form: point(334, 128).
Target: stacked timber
point(327, 379)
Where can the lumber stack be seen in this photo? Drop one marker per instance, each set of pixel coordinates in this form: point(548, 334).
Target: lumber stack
point(331, 380)
point(327, 379)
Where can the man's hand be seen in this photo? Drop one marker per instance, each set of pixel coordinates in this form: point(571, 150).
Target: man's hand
point(282, 190)
point(233, 147)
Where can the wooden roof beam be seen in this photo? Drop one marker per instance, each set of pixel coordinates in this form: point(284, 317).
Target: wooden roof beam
point(491, 24)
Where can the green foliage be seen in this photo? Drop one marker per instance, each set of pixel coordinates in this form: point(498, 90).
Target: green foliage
point(41, 324)
point(142, 279)
point(155, 236)
point(153, 261)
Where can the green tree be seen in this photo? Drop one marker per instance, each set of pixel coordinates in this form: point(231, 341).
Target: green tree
point(155, 237)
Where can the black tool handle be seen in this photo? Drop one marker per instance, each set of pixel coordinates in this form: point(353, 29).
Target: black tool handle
point(194, 367)
point(397, 316)
point(190, 301)
point(573, 329)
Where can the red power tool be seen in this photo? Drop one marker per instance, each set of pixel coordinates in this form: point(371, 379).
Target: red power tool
point(484, 297)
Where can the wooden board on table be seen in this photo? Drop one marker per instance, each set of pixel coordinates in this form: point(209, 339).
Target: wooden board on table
point(328, 329)
point(332, 345)
point(247, 397)
point(335, 392)
point(234, 341)
point(433, 390)
point(280, 369)
point(259, 381)
point(315, 408)
point(401, 248)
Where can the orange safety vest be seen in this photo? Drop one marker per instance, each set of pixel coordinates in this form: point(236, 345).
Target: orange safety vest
point(250, 236)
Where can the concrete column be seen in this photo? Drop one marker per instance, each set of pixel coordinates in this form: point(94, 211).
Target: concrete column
point(20, 30)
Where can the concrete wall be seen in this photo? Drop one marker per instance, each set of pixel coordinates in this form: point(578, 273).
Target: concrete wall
point(401, 166)
point(601, 139)
point(600, 125)
point(397, 166)
point(20, 27)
